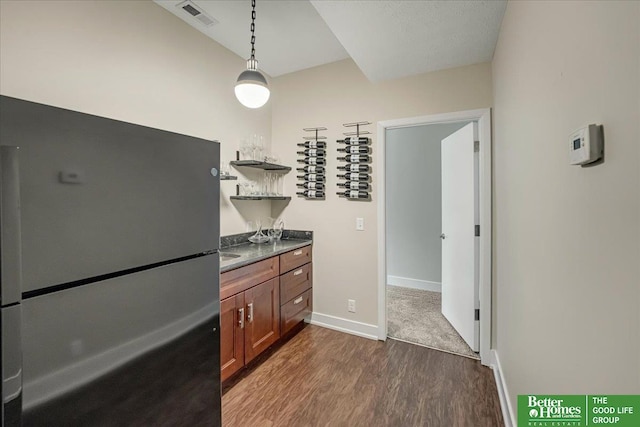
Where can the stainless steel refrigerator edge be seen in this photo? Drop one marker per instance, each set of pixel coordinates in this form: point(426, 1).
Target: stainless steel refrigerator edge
point(10, 286)
point(120, 294)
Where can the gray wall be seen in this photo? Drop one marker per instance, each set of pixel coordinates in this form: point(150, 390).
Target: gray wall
point(413, 206)
point(566, 238)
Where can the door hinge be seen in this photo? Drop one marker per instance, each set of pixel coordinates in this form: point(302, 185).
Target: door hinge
point(476, 146)
point(477, 230)
point(477, 314)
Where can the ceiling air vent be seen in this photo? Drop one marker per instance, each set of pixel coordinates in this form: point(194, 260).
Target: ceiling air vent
point(196, 12)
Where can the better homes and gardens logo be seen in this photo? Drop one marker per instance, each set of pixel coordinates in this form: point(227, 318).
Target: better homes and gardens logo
point(578, 410)
point(554, 410)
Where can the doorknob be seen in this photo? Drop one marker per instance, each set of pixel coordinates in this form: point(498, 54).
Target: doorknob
point(442, 236)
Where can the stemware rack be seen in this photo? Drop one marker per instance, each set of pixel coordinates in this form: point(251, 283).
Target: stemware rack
point(257, 164)
point(313, 164)
point(354, 176)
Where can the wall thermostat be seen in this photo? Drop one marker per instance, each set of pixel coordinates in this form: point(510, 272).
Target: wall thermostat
point(586, 145)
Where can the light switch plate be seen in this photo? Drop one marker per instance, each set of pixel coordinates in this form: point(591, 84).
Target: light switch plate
point(360, 224)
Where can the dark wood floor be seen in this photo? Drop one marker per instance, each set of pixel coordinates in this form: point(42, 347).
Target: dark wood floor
point(327, 378)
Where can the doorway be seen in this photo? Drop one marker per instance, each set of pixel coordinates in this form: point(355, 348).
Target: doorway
point(415, 272)
point(421, 165)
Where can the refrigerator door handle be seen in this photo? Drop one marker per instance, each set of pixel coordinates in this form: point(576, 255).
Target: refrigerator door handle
point(11, 352)
point(10, 226)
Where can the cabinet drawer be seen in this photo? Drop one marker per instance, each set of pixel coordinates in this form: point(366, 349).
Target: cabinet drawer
point(295, 311)
point(241, 279)
point(295, 258)
point(295, 282)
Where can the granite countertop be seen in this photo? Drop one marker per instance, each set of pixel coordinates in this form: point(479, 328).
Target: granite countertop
point(248, 252)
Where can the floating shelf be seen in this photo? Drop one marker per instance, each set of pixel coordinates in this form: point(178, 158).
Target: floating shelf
point(260, 165)
point(260, 198)
point(228, 177)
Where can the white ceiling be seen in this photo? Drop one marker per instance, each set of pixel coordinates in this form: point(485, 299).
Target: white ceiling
point(386, 39)
point(290, 35)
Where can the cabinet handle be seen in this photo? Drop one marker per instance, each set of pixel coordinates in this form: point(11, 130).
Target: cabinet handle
point(241, 318)
point(298, 252)
point(297, 300)
point(297, 273)
point(250, 313)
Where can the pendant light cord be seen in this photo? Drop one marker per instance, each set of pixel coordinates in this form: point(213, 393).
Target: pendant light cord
point(253, 29)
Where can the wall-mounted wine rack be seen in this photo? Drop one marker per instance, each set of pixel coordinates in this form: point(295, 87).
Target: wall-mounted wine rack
point(354, 176)
point(313, 157)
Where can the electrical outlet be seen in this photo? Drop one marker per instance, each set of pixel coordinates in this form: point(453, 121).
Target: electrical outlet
point(351, 305)
point(360, 224)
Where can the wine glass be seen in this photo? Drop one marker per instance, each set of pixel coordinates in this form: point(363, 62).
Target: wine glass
point(245, 188)
point(246, 149)
point(224, 169)
point(271, 186)
point(255, 155)
point(261, 148)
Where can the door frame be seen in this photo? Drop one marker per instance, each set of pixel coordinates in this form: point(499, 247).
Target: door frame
point(483, 117)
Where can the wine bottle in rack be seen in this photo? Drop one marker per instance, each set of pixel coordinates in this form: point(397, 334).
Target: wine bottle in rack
point(311, 185)
point(311, 169)
point(354, 176)
point(354, 167)
point(313, 161)
point(313, 152)
point(354, 140)
point(354, 194)
point(311, 194)
point(313, 144)
point(354, 185)
point(316, 177)
point(355, 158)
point(354, 149)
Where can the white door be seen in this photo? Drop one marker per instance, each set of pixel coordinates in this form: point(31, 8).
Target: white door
point(459, 290)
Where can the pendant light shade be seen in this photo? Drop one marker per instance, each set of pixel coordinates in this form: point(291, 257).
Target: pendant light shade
point(251, 88)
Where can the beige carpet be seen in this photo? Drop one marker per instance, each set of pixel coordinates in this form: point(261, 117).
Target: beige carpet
point(414, 315)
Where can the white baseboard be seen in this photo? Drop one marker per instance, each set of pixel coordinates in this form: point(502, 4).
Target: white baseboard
point(508, 415)
point(352, 327)
point(70, 377)
point(407, 282)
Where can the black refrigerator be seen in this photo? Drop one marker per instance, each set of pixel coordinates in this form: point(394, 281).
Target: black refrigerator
point(110, 271)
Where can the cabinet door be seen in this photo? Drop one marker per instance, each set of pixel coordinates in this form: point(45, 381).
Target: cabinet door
point(232, 323)
point(262, 326)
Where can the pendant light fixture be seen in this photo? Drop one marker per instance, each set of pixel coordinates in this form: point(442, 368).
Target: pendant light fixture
point(251, 87)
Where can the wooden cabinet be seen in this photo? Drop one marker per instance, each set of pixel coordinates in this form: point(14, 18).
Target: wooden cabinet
point(295, 287)
point(231, 335)
point(258, 306)
point(249, 313)
point(263, 316)
point(294, 311)
point(243, 278)
point(294, 283)
point(295, 258)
